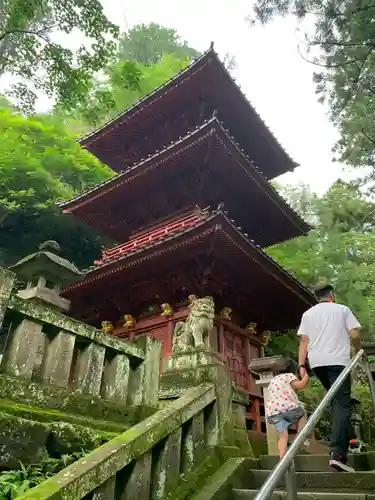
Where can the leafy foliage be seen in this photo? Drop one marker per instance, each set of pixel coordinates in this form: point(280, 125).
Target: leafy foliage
point(341, 45)
point(30, 52)
point(14, 483)
point(148, 43)
point(110, 96)
point(41, 164)
point(340, 249)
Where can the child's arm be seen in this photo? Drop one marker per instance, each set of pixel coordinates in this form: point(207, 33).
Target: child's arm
point(300, 384)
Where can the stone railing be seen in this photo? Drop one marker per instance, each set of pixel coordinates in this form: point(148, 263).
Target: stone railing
point(146, 461)
point(44, 345)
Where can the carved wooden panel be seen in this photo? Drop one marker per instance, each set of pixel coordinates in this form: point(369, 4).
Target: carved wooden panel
point(254, 351)
point(234, 357)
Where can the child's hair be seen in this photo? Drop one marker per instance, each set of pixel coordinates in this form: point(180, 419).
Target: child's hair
point(287, 366)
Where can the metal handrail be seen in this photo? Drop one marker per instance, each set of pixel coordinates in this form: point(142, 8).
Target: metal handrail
point(287, 461)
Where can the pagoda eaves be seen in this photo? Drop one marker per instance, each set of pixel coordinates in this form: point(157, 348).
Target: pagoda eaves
point(203, 88)
point(205, 167)
point(210, 257)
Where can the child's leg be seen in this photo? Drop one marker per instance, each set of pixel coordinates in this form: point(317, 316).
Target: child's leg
point(283, 442)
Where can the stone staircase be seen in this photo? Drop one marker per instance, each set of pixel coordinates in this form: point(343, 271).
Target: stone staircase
point(315, 479)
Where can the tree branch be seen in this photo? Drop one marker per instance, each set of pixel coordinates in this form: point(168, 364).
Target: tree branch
point(372, 141)
point(39, 33)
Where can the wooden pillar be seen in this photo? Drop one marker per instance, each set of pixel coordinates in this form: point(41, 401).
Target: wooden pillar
point(247, 362)
point(221, 342)
point(256, 415)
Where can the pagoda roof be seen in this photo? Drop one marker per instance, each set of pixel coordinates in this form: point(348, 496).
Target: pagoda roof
point(205, 80)
point(208, 257)
point(230, 176)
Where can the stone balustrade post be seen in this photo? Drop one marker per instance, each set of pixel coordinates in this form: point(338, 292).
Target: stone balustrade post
point(137, 480)
point(193, 443)
point(89, 368)
point(22, 348)
point(185, 369)
point(57, 359)
point(267, 369)
point(166, 470)
point(116, 378)
point(144, 378)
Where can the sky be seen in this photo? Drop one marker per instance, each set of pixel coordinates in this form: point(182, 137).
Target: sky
point(270, 71)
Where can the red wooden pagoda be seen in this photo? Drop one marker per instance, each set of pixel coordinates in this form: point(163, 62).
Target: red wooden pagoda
point(189, 209)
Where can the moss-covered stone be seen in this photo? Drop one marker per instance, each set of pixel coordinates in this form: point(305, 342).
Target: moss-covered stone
point(21, 441)
point(219, 486)
point(196, 480)
point(25, 441)
point(46, 416)
point(68, 438)
point(258, 442)
point(242, 442)
point(74, 402)
point(47, 315)
point(89, 473)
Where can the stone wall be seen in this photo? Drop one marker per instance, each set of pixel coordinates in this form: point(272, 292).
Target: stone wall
point(65, 385)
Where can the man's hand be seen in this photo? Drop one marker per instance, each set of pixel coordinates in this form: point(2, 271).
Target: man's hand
point(303, 372)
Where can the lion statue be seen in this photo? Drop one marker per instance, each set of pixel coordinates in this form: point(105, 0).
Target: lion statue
point(197, 327)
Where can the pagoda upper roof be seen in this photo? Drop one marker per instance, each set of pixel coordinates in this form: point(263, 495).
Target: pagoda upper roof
point(205, 256)
point(206, 161)
point(205, 81)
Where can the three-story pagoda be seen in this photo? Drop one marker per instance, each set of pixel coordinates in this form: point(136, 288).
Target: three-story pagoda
point(189, 210)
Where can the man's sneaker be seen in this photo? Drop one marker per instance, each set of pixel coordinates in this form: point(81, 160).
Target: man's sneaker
point(338, 462)
point(355, 446)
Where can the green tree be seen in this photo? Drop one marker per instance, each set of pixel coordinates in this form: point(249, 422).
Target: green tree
point(41, 164)
point(31, 54)
point(342, 46)
point(148, 43)
point(111, 95)
point(340, 249)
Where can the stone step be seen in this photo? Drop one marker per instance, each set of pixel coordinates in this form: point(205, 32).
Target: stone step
point(306, 495)
point(319, 463)
point(315, 481)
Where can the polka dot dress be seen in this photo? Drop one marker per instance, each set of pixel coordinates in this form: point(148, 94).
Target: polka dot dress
point(281, 396)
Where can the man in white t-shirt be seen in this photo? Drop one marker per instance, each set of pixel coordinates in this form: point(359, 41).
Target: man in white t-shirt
point(325, 334)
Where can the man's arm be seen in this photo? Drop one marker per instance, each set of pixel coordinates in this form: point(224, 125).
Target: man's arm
point(353, 326)
point(355, 336)
point(302, 352)
point(303, 344)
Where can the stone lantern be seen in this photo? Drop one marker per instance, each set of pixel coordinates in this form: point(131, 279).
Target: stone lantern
point(267, 368)
point(44, 273)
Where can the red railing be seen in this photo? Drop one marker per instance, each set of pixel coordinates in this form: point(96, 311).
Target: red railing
point(150, 237)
